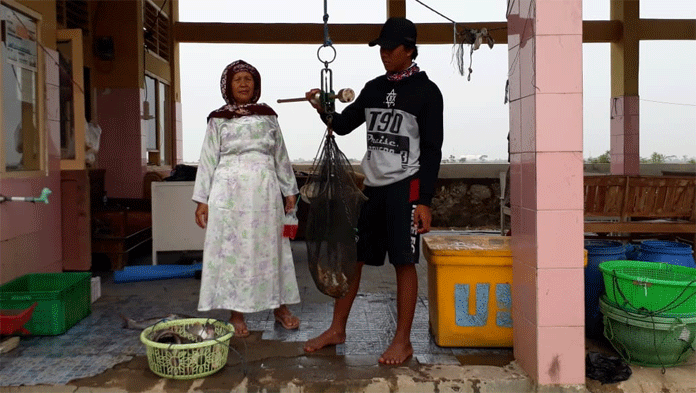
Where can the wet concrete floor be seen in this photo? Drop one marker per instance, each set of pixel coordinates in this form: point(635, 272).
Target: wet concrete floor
point(99, 355)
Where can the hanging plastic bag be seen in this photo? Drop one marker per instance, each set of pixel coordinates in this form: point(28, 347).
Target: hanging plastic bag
point(92, 137)
point(290, 224)
point(334, 207)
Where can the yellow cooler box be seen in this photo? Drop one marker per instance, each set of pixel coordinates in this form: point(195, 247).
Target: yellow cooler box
point(470, 290)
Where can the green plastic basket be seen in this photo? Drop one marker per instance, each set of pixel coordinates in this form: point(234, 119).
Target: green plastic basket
point(63, 299)
point(651, 341)
point(188, 361)
point(655, 287)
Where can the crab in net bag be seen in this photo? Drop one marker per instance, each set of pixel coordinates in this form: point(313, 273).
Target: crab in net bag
point(334, 200)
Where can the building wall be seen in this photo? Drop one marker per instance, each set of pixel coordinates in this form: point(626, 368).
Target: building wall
point(119, 96)
point(30, 234)
point(122, 21)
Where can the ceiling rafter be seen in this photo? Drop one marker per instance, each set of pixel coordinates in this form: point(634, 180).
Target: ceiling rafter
point(428, 33)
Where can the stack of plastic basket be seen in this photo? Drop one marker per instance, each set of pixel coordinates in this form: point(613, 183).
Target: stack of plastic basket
point(650, 311)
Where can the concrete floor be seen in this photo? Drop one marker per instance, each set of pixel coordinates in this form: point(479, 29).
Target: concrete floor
point(98, 355)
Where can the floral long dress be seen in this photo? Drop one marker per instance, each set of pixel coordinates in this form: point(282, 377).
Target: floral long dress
point(243, 169)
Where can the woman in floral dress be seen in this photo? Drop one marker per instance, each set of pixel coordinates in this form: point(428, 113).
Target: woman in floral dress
point(243, 170)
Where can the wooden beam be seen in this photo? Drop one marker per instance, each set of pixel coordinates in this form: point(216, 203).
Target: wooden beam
point(273, 33)
point(597, 31)
point(594, 31)
point(396, 8)
point(639, 227)
point(667, 29)
point(313, 33)
point(624, 53)
point(442, 33)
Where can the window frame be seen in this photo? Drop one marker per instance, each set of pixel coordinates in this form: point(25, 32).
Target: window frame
point(66, 8)
point(40, 101)
point(161, 13)
point(75, 38)
point(163, 125)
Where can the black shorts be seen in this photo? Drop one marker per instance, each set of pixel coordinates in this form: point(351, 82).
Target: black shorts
point(386, 224)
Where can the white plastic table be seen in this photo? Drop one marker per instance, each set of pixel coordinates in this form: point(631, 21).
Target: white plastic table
point(173, 223)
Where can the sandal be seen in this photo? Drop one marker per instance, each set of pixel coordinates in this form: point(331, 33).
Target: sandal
point(240, 331)
point(240, 328)
point(285, 318)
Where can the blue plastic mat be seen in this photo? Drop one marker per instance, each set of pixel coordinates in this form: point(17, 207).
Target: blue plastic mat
point(155, 272)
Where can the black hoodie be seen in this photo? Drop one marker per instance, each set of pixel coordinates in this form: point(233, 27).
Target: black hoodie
point(404, 130)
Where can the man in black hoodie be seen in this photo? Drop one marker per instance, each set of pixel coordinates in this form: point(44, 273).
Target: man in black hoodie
point(402, 111)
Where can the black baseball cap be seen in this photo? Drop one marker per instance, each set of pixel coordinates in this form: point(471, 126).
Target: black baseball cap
point(396, 31)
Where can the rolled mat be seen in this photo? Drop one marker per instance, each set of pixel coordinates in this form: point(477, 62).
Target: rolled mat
point(155, 272)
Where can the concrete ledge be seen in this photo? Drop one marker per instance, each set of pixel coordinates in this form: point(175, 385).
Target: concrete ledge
point(490, 170)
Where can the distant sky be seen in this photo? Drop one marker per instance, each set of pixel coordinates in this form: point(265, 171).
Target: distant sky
point(476, 120)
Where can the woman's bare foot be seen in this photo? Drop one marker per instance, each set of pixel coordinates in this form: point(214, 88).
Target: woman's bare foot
point(285, 318)
point(329, 337)
point(240, 326)
point(397, 353)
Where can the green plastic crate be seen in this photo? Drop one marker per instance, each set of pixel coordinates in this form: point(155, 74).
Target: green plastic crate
point(63, 300)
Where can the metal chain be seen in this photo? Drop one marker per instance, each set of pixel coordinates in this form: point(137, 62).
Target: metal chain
point(327, 102)
point(327, 40)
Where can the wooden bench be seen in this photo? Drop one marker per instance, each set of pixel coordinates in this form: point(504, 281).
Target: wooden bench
point(119, 228)
point(620, 204)
point(123, 223)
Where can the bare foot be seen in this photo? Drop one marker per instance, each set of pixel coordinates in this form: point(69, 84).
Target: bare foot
point(397, 353)
point(240, 327)
point(285, 317)
point(329, 337)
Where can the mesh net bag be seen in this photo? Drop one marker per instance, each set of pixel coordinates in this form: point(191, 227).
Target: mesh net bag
point(334, 207)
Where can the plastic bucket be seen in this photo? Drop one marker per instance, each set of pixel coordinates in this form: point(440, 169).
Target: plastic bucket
point(653, 287)
point(642, 312)
point(674, 253)
point(652, 341)
point(598, 251)
point(632, 251)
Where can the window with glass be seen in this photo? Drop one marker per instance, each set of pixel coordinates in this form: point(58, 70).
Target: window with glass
point(157, 116)
point(21, 141)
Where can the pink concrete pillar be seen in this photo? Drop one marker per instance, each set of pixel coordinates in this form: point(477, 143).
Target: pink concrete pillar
point(121, 149)
point(545, 60)
point(625, 136)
